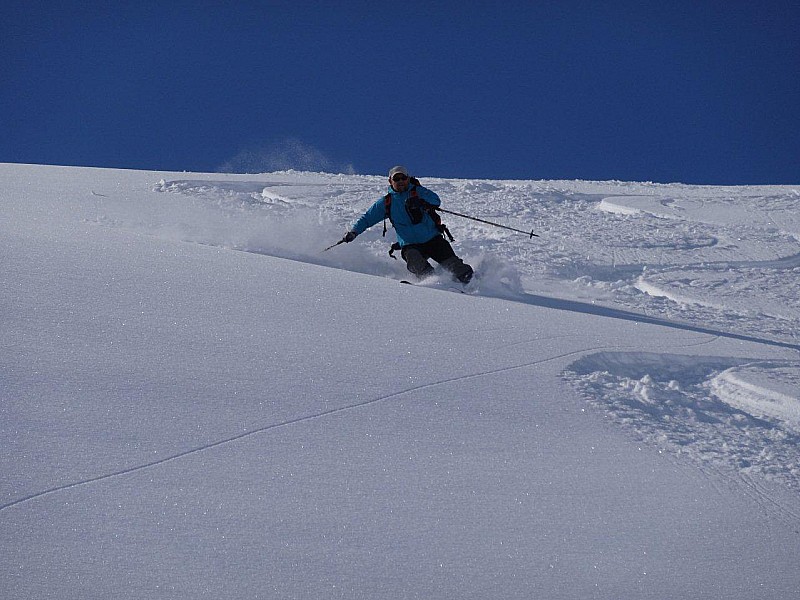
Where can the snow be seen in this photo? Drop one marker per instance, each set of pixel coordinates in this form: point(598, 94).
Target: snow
point(197, 402)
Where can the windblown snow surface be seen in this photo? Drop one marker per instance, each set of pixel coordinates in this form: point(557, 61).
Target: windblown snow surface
point(197, 402)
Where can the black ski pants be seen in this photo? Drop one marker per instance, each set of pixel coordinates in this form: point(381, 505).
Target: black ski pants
point(440, 250)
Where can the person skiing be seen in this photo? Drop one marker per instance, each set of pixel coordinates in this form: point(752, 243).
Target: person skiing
point(409, 206)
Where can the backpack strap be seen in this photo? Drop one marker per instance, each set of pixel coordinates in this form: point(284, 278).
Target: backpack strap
point(387, 201)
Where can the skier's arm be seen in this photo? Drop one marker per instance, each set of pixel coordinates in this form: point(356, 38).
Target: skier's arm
point(374, 215)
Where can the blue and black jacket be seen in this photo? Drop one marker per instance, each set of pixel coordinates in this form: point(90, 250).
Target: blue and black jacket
point(406, 231)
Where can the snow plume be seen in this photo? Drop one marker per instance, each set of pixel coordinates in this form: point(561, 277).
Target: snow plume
point(269, 219)
point(496, 277)
point(289, 154)
point(300, 236)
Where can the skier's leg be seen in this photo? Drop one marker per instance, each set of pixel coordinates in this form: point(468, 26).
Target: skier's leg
point(416, 262)
point(442, 252)
point(460, 270)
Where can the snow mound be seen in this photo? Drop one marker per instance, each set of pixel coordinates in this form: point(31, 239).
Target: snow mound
point(769, 392)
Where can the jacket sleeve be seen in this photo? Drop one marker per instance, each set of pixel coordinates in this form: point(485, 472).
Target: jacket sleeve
point(375, 214)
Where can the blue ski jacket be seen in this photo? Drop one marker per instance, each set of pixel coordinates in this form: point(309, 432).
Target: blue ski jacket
point(407, 232)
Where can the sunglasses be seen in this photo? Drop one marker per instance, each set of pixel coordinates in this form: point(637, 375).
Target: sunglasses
point(399, 177)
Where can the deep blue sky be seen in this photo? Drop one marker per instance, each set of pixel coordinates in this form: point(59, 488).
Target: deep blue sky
point(689, 91)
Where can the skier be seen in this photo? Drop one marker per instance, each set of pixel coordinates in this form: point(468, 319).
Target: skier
point(410, 208)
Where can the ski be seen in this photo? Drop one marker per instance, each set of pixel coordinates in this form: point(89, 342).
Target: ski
point(449, 288)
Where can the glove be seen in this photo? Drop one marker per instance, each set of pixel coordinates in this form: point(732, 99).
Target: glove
point(349, 236)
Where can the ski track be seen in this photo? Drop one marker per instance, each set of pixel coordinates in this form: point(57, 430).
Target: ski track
point(287, 423)
point(768, 503)
point(753, 489)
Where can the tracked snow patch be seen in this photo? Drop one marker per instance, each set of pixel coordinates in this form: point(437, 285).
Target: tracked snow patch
point(734, 414)
point(725, 257)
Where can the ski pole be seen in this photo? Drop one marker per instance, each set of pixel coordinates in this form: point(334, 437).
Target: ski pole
point(450, 212)
point(341, 241)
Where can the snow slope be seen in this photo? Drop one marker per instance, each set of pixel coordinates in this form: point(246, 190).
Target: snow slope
point(196, 402)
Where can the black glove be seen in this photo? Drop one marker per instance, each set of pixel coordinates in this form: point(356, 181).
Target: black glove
point(349, 236)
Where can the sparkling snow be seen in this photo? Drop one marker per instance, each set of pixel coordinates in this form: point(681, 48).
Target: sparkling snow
point(197, 402)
